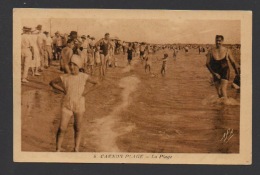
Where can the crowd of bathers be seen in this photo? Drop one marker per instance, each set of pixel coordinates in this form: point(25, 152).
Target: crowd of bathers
point(78, 56)
point(39, 49)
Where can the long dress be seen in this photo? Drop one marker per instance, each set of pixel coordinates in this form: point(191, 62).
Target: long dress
point(36, 62)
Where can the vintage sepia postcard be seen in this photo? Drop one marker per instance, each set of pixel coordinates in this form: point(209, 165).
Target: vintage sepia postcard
point(132, 86)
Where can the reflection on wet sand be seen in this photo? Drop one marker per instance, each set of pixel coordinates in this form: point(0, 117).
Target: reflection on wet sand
point(133, 111)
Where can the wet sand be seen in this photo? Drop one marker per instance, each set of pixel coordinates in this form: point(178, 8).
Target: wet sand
point(134, 111)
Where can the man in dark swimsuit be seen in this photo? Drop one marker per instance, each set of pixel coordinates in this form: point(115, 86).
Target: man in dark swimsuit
point(105, 45)
point(217, 63)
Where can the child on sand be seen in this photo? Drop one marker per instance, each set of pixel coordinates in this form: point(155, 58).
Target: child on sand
point(73, 103)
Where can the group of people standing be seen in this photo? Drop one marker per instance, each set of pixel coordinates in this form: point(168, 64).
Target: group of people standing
point(36, 51)
point(78, 55)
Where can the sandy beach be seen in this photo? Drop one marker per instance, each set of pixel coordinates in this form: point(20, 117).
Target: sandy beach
point(134, 111)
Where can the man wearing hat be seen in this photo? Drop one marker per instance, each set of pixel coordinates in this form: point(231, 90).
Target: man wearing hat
point(48, 49)
point(74, 36)
point(26, 52)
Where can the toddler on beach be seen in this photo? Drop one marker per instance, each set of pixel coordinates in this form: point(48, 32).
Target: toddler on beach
point(73, 103)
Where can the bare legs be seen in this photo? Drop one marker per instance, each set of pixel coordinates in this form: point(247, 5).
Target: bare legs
point(221, 87)
point(163, 71)
point(77, 130)
point(103, 64)
point(65, 118)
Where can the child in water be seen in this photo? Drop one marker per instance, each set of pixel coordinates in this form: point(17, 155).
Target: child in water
point(130, 51)
point(148, 62)
point(164, 60)
point(73, 103)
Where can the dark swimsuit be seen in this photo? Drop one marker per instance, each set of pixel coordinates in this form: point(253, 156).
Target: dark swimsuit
point(220, 67)
point(130, 54)
point(104, 48)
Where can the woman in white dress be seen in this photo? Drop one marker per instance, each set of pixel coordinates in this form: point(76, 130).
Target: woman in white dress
point(36, 62)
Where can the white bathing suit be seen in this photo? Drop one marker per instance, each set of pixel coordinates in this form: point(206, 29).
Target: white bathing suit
point(74, 101)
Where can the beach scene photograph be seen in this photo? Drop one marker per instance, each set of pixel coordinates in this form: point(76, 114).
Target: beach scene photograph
point(130, 85)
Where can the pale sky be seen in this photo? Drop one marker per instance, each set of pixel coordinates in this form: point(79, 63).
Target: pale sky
point(151, 30)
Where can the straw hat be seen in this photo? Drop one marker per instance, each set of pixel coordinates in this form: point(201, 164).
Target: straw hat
point(27, 29)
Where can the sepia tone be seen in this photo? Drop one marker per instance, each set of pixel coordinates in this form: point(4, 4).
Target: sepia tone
point(163, 100)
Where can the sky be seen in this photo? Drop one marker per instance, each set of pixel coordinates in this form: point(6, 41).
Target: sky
point(148, 30)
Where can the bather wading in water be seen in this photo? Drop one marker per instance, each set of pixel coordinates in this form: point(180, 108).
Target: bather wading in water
point(217, 63)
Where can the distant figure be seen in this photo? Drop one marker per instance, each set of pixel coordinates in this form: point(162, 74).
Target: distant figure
point(175, 52)
point(164, 60)
point(217, 63)
point(73, 103)
point(186, 49)
point(142, 51)
point(130, 51)
point(201, 49)
point(148, 62)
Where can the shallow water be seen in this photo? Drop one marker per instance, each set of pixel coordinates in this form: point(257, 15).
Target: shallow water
point(134, 111)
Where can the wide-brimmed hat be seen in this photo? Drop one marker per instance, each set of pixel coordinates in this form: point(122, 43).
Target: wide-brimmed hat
point(26, 29)
point(76, 60)
point(73, 33)
point(45, 32)
point(83, 36)
point(57, 32)
point(39, 27)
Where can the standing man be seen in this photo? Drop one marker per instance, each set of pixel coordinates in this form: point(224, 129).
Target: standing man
point(26, 53)
point(48, 50)
point(218, 59)
point(175, 52)
point(142, 50)
point(105, 46)
point(66, 55)
point(74, 36)
point(41, 41)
